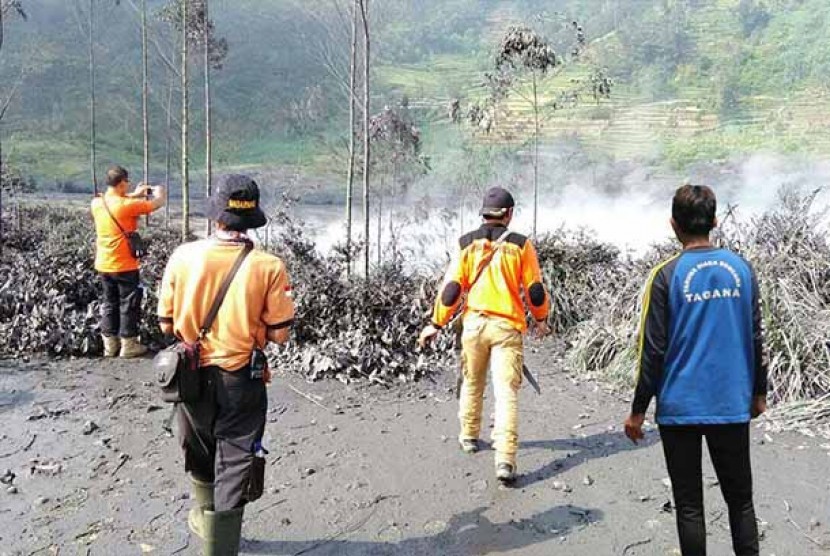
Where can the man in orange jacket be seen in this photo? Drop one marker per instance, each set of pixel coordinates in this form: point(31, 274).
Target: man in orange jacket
point(116, 214)
point(495, 269)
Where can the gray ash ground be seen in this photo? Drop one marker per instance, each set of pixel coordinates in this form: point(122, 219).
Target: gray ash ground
point(375, 472)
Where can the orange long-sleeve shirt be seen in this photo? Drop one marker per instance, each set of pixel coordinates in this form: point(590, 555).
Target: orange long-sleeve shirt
point(112, 250)
point(498, 291)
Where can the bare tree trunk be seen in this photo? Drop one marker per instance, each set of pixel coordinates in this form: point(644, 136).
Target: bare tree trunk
point(92, 139)
point(185, 114)
point(392, 239)
point(208, 133)
point(145, 94)
point(535, 156)
point(2, 185)
point(367, 152)
point(380, 223)
point(352, 145)
point(167, 155)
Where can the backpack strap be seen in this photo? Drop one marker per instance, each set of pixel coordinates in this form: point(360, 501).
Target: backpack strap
point(492, 255)
point(223, 291)
point(106, 206)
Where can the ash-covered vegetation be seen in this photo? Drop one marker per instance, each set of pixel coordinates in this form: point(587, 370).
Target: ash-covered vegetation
point(353, 329)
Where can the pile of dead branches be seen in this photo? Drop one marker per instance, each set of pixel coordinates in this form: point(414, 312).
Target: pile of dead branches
point(349, 328)
point(49, 291)
point(576, 267)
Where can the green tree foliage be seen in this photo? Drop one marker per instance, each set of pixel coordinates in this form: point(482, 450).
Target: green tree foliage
point(275, 96)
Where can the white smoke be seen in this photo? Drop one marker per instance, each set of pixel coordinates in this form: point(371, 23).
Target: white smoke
point(628, 206)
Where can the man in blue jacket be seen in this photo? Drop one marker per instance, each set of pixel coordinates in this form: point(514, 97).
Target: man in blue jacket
point(702, 357)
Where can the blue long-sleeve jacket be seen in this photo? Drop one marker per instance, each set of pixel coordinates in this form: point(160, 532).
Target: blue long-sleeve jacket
point(701, 349)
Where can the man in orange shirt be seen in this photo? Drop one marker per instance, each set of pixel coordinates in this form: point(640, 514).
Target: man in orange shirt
point(497, 270)
point(221, 433)
point(116, 214)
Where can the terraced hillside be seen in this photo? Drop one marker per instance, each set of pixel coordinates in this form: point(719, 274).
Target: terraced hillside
point(714, 102)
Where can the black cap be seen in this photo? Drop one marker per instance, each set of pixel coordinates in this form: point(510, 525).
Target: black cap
point(497, 202)
point(235, 203)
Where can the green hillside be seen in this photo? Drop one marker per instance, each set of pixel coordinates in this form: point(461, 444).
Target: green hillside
point(694, 80)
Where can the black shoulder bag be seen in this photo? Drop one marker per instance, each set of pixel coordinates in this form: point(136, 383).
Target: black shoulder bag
point(137, 246)
point(177, 367)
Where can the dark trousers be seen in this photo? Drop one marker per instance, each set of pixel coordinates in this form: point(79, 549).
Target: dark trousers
point(729, 450)
point(121, 306)
point(219, 432)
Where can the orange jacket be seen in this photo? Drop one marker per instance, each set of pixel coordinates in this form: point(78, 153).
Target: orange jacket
point(498, 291)
point(112, 250)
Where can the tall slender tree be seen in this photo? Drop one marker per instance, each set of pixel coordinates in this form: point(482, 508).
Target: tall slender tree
point(352, 137)
point(145, 97)
point(3, 113)
point(367, 147)
point(6, 5)
point(168, 148)
point(206, 32)
point(190, 19)
point(93, 143)
point(185, 119)
point(2, 173)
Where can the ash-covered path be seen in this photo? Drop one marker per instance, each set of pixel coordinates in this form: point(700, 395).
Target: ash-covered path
point(374, 472)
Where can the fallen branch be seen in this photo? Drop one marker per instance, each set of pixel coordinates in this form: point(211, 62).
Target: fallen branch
point(124, 459)
point(351, 529)
point(183, 548)
point(791, 521)
point(635, 545)
point(309, 398)
point(270, 506)
point(120, 397)
point(21, 449)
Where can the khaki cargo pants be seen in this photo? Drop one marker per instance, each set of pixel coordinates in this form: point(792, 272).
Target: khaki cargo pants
point(492, 341)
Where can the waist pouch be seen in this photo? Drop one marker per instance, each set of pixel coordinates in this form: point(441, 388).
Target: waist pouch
point(178, 373)
point(138, 247)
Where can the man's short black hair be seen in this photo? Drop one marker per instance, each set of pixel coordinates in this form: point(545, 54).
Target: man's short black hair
point(117, 174)
point(694, 208)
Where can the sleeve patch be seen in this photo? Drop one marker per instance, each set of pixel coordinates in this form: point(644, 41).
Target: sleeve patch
point(537, 294)
point(451, 294)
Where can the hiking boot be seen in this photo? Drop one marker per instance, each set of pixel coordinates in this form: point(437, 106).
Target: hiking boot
point(112, 346)
point(223, 531)
point(131, 348)
point(202, 494)
point(506, 473)
point(470, 446)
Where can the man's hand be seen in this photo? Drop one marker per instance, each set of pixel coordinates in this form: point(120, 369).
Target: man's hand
point(634, 427)
point(541, 329)
point(159, 198)
point(759, 406)
point(141, 191)
point(427, 335)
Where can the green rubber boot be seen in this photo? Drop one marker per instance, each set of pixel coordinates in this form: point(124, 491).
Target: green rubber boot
point(223, 532)
point(202, 494)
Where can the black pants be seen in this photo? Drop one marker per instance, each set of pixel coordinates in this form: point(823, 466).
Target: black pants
point(121, 307)
point(218, 434)
point(729, 450)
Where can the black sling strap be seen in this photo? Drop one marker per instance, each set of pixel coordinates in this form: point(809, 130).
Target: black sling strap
point(492, 255)
point(106, 206)
point(223, 291)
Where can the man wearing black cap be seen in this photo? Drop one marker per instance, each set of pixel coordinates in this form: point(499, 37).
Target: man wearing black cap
point(495, 272)
point(221, 433)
